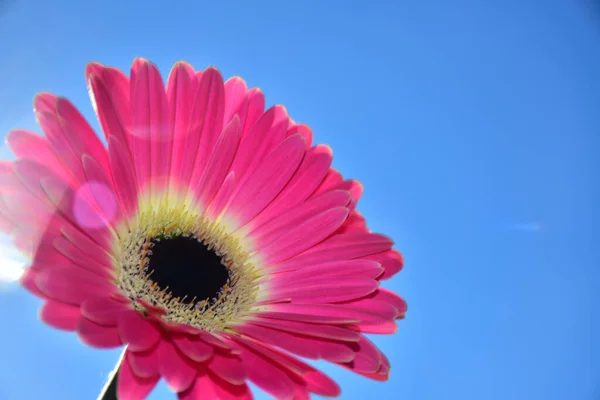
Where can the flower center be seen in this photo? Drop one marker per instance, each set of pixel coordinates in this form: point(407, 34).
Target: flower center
point(187, 268)
point(172, 257)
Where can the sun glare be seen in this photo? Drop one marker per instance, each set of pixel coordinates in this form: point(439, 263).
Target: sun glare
point(12, 263)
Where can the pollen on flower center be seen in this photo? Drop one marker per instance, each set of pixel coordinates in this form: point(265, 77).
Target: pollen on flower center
point(172, 257)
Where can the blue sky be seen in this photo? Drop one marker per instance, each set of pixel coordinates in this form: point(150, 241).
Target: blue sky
point(473, 125)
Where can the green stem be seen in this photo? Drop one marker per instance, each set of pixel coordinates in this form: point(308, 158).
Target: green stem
point(109, 391)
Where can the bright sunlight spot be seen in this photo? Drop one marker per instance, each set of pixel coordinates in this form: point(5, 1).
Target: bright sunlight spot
point(12, 263)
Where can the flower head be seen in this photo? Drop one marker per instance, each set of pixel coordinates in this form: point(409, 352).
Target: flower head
point(209, 236)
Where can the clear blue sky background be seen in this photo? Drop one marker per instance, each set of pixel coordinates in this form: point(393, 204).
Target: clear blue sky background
point(474, 126)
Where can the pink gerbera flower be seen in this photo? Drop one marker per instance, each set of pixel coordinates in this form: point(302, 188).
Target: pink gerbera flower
point(210, 237)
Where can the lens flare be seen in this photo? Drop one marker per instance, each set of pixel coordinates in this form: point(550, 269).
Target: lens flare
point(12, 263)
point(532, 227)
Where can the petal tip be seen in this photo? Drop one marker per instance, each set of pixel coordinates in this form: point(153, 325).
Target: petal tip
point(42, 100)
point(93, 67)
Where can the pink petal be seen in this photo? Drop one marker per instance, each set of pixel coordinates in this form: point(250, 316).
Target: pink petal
point(30, 174)
point(285, 341)
point(6, 167)
point(278, 225)
point(342, 247)
point(109, 92)
point(102, 189)
point(137, 64)
point(337, 183)
point(304, 236)
point(385, 364)
point(227, 391)
point(214, 340)
point(194, 348)
point(79, 133)
point(60, 316)
point(310, 173)
point(150, 131)
point(103, 310)
point(315, 381)
point(73, 207)
point(22, 183)
point(177, 328)
point(264, 136)
point(138, 332)
point(392, 298)
point(83, 242)
point(47, 254)
point(390, 260)
point(377, 308)
point(144, 363)
point(382, 375)
point(10, 222)
point(301, 393)
point(9, 183)
point(219, 163)
point(72, 286)
point(361, 244)
point(28, 145)
point(381, 328)
point(332, 179)
point(131, 386)
point(181, 90)
point(44, 102)
point(27, 212)
point(271, 175)
point(354, 223)
point(92, 334)
point(148, 308)
point(302, 129)
point(266, 375)
point(309, 317)
point(49, 122)
point(236, 101)
point(325, 290)
point(333, 269)
point(31, 241)
point(356, 188)
point(123, 171)
point(312, 330)
point(202, 389)
point(228, 367)
point(83, 260)
point(28, 281)
point(28, 240)
point(6, 225)
point(223, 197)
point(95, 205)
point(367, 359)
point(256, 108)
point(206, 120)
point(376, 376)
point(211, 104)
point(304, 346)
point(178, 372)
point(363, 311)
point(319, 383)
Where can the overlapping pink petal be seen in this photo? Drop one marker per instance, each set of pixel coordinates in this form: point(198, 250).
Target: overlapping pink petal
point(213, 141)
